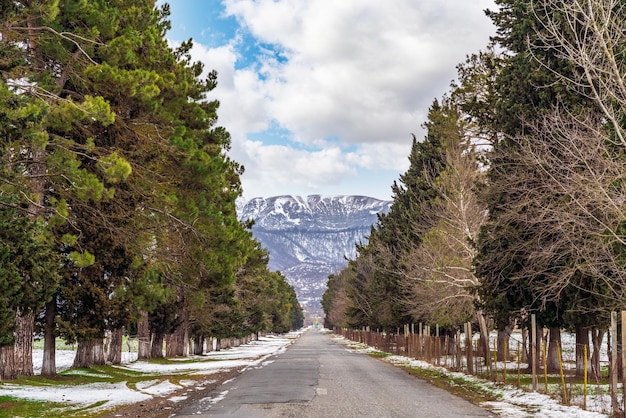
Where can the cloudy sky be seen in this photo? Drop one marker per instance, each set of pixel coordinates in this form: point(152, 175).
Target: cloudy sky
point(321, 96)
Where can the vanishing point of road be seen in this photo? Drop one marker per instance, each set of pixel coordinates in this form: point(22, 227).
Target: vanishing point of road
point(317, 377)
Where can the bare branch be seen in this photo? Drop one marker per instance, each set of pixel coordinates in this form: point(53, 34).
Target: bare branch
point(68, 36)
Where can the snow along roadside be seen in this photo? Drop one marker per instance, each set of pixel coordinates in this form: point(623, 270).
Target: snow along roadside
point(107, 395)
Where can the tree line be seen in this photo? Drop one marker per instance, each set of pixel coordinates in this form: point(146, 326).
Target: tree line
point(514, 201)
point(117, 197)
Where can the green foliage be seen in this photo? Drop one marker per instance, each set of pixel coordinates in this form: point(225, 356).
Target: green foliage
point(533, 80)
point(61, 212)
point(81, 260)
point(67, 114)
point(28, 266)
point(126, 179)
point(116, 169)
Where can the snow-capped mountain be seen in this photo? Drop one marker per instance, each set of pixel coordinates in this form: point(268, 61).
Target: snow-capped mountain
point(311, 237)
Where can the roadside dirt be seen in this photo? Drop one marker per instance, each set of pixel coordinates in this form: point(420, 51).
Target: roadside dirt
point(163, 407)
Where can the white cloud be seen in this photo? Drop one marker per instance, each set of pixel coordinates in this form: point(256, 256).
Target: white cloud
point(351, 73)
point(282, 170)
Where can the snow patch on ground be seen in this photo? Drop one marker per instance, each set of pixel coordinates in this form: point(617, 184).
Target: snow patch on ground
point(110, 395)
point(157, 388)
point(178, 398)
point(113, 394)
point(513, 402)
point(201, 366)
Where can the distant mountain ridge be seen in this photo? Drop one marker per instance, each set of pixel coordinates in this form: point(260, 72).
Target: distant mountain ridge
point(311, 237)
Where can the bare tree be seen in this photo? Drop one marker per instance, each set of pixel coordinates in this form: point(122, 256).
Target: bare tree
point(438, 271)
point(574, 182)
point(335, 301)
point(567, 193)
point(438, 276)
point(590, 35)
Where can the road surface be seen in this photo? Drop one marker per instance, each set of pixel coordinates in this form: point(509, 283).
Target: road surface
point(316, 377)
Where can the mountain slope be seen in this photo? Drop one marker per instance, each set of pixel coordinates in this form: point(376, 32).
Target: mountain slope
point(311, 237)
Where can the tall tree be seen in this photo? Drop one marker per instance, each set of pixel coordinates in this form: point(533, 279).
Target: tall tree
point(539, 78)
point(375, 285)
point(335, 301)
point(128, 154)
point(438, 273)
point(589, 37)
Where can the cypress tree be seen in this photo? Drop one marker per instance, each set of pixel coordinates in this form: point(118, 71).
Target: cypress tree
point(534, 82)
point(378, 269)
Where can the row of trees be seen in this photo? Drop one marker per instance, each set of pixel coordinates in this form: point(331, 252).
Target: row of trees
point(117, 199)
point(514, 201)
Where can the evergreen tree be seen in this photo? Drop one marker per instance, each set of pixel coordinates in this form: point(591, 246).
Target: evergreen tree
point(375, 285)
point(537, 79)
point(124, 176)
point(437, 271)
point(525, 89)
point(128, 156)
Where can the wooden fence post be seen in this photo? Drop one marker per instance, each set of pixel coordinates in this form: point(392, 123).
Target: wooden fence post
point(613, 372)
point(458, 349)
point(437, 345)
point(533, 351)
point(470, 348)
point(623, 358)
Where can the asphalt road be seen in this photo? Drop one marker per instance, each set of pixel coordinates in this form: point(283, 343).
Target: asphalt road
point(316, 377)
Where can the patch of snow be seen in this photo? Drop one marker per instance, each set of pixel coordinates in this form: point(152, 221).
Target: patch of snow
point(157, 388)
point(199, 367)
point(178, 398)
point(65, 359)
point(513, 402)
point(115, 394)
point(216, 399)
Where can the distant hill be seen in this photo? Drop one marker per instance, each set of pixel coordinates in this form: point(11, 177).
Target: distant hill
point(310, 238)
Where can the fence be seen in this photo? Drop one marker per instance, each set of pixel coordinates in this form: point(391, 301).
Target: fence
point(522, 365)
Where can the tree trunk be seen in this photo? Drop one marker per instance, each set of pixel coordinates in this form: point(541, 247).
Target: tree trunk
point(157, 345)
point(115, 347)
point(84, 354)
point(48, 366)
point(143, 334)
point(23, 353)
point(582, 340)
point(171, 345)
point(7, 363)
point(596, 338)
point(179, 336)
point(484, 336)
point(553, 355)
point(182, 336)
point(89, 353)
point(23, 348)
point(198, 345)
point(504, 336)
point(175, 342)
point(525, 351)
point(185, 349)
point(98, 352)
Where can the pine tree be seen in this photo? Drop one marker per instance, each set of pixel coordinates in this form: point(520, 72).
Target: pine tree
point(125, 166)
point(29, 265)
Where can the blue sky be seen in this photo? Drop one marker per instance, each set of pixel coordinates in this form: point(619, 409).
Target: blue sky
point(321, 96)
